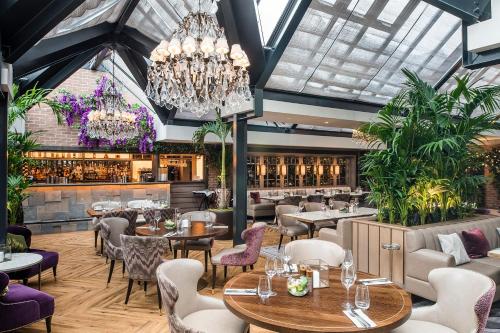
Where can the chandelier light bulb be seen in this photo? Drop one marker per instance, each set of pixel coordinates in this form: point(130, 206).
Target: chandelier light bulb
point(175, 47)
point(189, 45)
point(162, 49)
point(207, 44)
point(221, 46)
point(244, 61)
point(236, 52)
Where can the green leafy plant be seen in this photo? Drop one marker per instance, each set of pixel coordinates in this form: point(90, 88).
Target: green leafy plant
point(20, 143)
point(220, 129)
point(426, 139)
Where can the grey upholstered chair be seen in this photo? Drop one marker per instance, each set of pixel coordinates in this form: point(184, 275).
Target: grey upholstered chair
point(95, 221)
point(165, 213)
point(291, 200)
point(204, 244)
point(142, 255)
point(188, 311)
point(289, 226)
point(129, 215)
point(315, 198)
point(111, 229)
point(305, 249)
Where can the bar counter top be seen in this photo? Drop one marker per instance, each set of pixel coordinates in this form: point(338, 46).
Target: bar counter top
point(112, 184)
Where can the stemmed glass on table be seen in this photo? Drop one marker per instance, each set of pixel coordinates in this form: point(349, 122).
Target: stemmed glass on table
point(347, 277)
point(157, 218)
point(270, 269)
point(285, 257)
point(301, 207)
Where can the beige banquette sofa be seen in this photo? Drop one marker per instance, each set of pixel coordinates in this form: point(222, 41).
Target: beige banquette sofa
point(423, 254)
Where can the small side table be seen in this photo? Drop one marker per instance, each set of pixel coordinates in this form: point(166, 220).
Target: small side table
point(21, 261)
point(391, 247)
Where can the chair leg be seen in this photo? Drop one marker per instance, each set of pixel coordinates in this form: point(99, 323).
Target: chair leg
point(123, 268)
point(158, 294)
point(187, 253)
point(170, 245)
point(48, 324)
point(145, 286)
point(175, 254)
point(111, 268)
point(206, 261)
point(25, 282)
point(214, 275)
point(102, 248)
point(54, 271)
point(225, 273)
point(281, 240)
point(251, 267)
point(96, 233)
point(244, 269)
point(129, 289)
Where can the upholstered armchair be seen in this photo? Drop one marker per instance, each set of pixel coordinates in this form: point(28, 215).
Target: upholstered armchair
point(463, 304)
point(21, 306)
point(165, 213)
point(204, 244)
point(289, 226)
point(49, 261)
point(187, 311)
point(111, 229)
point(341, 236)
point(130, 215)
point(315, 198)
point(243, 256)
point(291, 200)
point(305, 249)
point(342, 197)
point(95, 221)
point(142, 255)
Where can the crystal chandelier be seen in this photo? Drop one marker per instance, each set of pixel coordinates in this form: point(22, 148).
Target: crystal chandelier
point(195, 72)
point(112, 121)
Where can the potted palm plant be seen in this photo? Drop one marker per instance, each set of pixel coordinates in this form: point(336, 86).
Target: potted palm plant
point(220, 129)
point(19, 143)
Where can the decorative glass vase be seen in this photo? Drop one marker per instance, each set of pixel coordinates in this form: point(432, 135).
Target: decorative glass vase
point(5, 253)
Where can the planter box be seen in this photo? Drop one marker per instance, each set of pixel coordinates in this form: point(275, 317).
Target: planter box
point(368, 236)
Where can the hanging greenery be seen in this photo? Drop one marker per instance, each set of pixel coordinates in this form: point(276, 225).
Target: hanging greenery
point(77, 109)
point(423, 168)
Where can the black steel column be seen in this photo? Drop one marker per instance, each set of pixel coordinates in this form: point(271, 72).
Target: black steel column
point(239, 178)
point(3, 164)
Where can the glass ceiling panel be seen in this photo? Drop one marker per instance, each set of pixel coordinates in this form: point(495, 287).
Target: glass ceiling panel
point(158, 19)
point(270, 12)
point(480, 77)
point(88, 14)
point(325, 128)
point(356, 49)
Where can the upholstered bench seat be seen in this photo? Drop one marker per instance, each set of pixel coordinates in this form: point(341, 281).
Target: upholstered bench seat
point(203, 320)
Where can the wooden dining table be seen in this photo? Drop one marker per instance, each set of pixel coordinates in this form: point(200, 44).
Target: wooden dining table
point(319, 311)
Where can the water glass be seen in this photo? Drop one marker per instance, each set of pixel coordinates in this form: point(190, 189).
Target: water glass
point(348, 259)
point(323, 207)
point(301, 206)
point(157, 219)
point(348, 277)
point(362, 297)
point(280, 267)
point(264, 289)
point(270, 269)
point(208, 220)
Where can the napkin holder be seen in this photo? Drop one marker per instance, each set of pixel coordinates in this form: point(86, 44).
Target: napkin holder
point(320, 272)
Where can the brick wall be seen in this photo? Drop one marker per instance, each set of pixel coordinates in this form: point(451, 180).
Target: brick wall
point(82, 82)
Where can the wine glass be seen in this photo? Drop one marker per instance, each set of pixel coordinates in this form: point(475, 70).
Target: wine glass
point(270, 269)
point(347, 277)
point(348, 259)
point(301, 206)
point(264, 289)
point(331, 203)
point(286, 259)
point(362, 297)
point(323, 207)
point(157, 219)
point(280, 267)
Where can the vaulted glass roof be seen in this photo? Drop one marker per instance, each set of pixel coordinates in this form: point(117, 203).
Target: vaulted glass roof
point(479, 77)
point(356, 49)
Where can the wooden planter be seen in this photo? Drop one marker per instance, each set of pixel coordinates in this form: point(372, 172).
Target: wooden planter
point(224, 216)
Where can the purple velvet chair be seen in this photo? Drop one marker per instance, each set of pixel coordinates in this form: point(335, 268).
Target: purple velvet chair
point(22, 306)
point(50, 259)
point(241, 255)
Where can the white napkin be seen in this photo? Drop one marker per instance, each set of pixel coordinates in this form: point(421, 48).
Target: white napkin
point(363, 315)
point(353, 319)
point(291, 268)
point(220, 227)
point(240, 292)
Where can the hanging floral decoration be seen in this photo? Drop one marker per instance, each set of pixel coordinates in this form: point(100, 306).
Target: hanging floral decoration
point(76, 113)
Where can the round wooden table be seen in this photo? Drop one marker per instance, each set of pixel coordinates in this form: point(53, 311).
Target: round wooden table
point(319, 311)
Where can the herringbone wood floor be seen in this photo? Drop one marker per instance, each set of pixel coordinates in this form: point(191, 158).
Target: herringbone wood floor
point(84, 304)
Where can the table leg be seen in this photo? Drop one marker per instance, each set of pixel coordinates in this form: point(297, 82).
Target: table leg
point(311, 230)
point(40, 276)
point(183, 247)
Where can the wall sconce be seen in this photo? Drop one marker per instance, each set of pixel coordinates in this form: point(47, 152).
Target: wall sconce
point(261, 170)
point(335, 169)
point(302, 170)
point(283, 169)
point(320, 170)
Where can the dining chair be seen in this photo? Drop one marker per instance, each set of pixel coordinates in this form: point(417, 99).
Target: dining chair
point(95, 220)
point(240, 255)
point(165, 214)
point(342, 197)
point(288, 226)
point(291, 200)
point(187, 310)
point(142, 256)
point(305, 249)
point(130, 215)
point(315, 198)
point(464, 299)
point(203, 244)
point(111, 229)
point(316, 207)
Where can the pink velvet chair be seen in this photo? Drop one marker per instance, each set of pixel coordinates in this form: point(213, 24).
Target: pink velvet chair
point(241, 255)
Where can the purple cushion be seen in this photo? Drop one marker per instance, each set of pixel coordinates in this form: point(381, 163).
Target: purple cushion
point(19, 293)
point(255, 196)
point(19, 230)
point(475, 243)
point(4, 282)
point(50, 259)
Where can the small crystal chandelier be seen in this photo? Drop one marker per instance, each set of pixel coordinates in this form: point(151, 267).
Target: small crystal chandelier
point(195, 72)
point(111, 120)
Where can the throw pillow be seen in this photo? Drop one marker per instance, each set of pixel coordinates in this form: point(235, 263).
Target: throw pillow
point(255, 196)
point(452, 245)
point(4, 284)
point(476, 244)
point(498, 230)
point(17, 243)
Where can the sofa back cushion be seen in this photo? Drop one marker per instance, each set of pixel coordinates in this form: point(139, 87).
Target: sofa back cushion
point(17, 243)
point(426, 236)
point(476, 244)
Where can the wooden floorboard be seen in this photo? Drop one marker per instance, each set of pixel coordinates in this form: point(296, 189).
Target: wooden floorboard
point(85, 304)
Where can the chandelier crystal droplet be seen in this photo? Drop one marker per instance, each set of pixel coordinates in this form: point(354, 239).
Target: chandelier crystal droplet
point(111, 120)
point(196, 71)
